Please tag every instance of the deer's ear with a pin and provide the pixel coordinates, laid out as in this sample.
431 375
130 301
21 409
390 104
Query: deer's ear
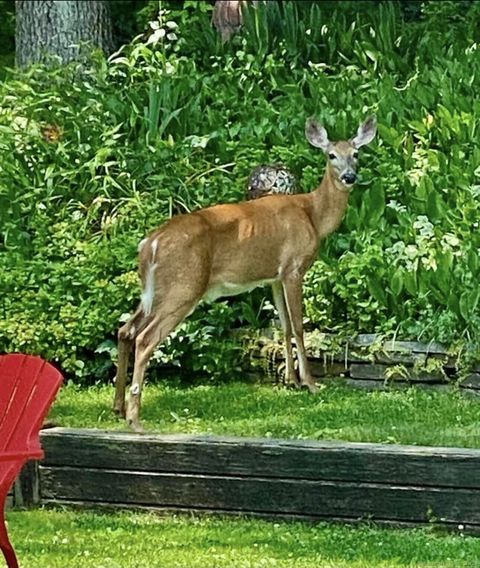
365 133
316 134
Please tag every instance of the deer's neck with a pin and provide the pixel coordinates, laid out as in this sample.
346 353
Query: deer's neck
328 204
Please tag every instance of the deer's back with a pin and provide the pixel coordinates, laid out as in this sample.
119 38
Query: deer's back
235 243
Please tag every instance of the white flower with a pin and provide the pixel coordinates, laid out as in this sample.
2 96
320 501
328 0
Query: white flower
156 36
411 251
396 206
451 240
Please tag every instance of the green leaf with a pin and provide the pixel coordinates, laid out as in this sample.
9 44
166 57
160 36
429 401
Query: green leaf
424 188
410 282
468 303
472 261
464 306
443 273
376 203
376 290
390 135
396 284
352 220
435 206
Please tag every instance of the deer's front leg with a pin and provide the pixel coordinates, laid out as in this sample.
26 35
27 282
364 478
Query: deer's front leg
292 288
279 300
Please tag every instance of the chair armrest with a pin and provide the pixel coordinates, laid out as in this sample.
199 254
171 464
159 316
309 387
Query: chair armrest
25 455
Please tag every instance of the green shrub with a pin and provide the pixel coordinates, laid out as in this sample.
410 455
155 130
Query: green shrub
91 160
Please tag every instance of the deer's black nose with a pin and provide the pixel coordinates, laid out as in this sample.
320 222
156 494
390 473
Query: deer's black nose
349 178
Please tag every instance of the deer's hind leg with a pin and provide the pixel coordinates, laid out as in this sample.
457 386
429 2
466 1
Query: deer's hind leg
164 321
126 340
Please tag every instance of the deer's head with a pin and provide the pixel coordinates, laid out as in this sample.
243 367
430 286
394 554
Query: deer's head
342 156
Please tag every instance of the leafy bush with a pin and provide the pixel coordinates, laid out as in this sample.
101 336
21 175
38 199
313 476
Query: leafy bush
91 160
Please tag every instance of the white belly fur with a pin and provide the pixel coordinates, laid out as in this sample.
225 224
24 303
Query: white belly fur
232 289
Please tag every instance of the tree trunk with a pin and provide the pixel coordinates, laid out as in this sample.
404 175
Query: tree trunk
227 17
46 28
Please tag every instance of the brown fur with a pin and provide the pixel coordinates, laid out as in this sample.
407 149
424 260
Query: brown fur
275 238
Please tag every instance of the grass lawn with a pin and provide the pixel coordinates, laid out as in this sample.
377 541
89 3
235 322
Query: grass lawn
81 539
410 416
71 539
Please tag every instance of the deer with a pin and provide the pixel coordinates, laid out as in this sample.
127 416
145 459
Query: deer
227 249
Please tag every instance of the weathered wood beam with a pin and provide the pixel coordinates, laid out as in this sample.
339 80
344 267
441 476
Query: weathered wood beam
294 479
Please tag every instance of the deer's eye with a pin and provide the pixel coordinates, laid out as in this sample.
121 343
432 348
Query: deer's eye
332 156
355 155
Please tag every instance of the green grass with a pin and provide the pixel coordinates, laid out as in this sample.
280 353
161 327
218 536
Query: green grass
68 539
410 416
64 538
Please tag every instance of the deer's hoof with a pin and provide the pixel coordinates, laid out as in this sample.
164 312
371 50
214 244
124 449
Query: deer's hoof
292 381
133 420
135 425
312 387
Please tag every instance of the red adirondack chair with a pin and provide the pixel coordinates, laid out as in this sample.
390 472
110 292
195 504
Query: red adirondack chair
28 386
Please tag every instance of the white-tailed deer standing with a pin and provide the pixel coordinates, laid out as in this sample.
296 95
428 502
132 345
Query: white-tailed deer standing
228 249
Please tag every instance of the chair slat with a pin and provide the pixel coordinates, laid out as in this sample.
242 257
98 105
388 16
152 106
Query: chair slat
17 422
28 386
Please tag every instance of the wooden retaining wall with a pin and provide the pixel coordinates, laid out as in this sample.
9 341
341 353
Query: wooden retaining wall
369 362
26 489
308 480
